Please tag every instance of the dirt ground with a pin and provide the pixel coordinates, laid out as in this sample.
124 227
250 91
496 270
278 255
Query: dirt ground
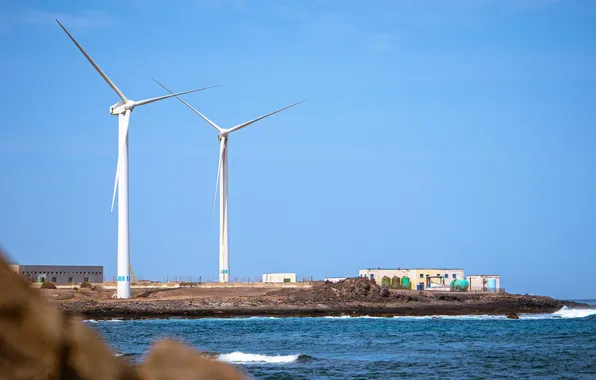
99 293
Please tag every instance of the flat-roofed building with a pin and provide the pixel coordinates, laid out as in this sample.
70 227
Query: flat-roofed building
279 277
484 282
419 278
377 274
60 274
427 279
334 279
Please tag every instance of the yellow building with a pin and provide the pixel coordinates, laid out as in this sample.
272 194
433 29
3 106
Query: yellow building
434 279
420 279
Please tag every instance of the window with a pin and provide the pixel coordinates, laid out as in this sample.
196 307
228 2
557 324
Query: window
53 279
446 275
454 276
86 279
70 280
421 275
372 276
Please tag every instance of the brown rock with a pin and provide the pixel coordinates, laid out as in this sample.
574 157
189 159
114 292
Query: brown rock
172 360
38 342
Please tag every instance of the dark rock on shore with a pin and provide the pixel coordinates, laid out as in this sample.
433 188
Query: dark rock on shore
512 316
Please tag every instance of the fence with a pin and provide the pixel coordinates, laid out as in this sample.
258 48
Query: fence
484 289
204 279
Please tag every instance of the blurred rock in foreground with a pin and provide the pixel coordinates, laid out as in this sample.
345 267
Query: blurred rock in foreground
37 341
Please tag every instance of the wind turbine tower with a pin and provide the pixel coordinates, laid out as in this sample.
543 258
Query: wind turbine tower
222 181
122 109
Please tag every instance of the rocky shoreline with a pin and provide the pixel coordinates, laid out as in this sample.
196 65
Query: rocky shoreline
353 297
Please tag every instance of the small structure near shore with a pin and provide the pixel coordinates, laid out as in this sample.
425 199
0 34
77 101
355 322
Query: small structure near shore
334 280
279 277
484 283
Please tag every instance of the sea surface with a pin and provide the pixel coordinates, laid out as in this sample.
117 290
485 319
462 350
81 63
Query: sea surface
549 346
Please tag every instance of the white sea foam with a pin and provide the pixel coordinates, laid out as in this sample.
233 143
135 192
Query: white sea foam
101 321
241 357
351 317
566 312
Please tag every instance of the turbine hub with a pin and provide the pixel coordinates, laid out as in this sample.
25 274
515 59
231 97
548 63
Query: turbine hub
121 107
130 105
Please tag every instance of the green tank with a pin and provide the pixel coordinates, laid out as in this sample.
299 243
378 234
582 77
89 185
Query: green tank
460 285
405 282
395 282
386 281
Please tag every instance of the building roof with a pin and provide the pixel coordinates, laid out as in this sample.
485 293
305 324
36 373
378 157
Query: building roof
491 275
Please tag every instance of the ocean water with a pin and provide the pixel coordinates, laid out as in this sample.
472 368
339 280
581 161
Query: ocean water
558 345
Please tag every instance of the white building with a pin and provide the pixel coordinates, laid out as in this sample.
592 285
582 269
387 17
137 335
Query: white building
335 279
279 277
378 274
484 282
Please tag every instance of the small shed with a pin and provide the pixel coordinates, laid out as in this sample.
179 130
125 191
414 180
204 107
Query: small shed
279 277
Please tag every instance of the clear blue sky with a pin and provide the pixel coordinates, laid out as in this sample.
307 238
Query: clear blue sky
443 133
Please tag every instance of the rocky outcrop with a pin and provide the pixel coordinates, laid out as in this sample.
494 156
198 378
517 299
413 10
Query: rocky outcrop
37 341
350 297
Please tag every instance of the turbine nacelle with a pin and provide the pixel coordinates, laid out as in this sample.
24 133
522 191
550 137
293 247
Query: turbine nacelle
121 107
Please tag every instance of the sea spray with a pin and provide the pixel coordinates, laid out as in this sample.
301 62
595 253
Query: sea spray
241 357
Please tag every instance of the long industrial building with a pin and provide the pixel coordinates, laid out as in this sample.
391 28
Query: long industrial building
416 278
60 274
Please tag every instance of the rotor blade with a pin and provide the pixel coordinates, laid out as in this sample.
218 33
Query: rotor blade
222 149
115 183
122 119
147 101
191 107
103 75
240 126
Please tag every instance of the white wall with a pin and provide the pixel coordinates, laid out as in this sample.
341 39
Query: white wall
279 277
378 274
480 280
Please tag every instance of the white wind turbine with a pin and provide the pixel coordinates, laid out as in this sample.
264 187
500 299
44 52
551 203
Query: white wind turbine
222 174
123 109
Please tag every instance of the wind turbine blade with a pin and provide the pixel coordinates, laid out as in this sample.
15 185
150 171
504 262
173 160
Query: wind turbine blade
147 101
115 183
191 107
246 124
222 148
103 75
122 119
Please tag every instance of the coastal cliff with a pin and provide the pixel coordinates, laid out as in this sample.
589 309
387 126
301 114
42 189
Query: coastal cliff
353 297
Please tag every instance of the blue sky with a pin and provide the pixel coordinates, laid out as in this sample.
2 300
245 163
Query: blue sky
437 133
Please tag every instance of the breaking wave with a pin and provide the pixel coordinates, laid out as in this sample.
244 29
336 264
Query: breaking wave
241 357
351 317
566 312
